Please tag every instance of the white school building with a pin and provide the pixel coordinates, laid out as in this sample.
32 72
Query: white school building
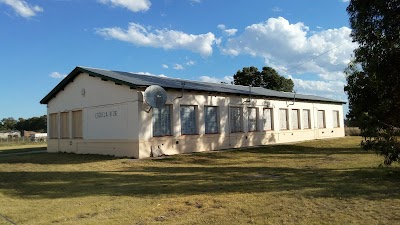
96 111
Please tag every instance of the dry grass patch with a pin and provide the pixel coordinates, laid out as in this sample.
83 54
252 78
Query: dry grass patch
317 182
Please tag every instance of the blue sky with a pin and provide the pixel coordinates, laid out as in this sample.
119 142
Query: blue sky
207 40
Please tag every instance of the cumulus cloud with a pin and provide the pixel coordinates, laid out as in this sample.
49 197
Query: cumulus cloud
286 46
165 66
161 38
22 8
132 5
226 79
228 32
57 75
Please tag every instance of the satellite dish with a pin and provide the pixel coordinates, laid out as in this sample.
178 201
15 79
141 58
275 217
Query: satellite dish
155 96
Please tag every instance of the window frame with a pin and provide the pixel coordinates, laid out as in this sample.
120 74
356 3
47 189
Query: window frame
298 119
335 112
287 119
53 126
248 119
216 119
170 108
308 119
323 118
195 111
64 134
240 119
73 122
271 119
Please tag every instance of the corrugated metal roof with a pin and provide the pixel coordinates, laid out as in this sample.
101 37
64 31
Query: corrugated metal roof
140 80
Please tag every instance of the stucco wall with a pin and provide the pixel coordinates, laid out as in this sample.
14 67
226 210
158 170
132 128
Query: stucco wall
117 122
110 117
177 143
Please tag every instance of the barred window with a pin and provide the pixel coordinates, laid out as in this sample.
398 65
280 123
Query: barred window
64 124
236 119
283 119
321 118
53 126
252 118
336 122
267 119
162 121
211 119
77 124
188 119
306 119
295 119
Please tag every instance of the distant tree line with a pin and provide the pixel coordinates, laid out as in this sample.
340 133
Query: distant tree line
38 124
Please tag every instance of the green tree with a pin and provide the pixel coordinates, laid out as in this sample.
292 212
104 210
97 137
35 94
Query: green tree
38 124
373 80
267 78
8 123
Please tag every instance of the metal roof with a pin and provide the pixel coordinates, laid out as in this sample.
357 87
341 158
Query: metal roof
140 80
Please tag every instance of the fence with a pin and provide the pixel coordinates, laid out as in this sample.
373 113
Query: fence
20 141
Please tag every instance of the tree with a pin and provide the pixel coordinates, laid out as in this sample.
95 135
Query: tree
373 80
8 123
267 78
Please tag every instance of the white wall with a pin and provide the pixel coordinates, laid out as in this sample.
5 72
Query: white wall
110 116
177 143
117 122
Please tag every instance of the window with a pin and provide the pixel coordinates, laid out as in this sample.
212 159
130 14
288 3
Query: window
77 124
252 119
321 118
211 119
162 121
336 122
306 119
64 125
283 119
267 119
295 119
53 126
236 118
188 119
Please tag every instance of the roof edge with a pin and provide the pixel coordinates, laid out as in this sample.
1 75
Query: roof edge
71 76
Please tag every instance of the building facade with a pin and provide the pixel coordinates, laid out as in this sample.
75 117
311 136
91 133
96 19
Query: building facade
95 111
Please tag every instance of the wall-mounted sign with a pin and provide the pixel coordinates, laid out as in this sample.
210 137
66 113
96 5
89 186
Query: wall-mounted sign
105 114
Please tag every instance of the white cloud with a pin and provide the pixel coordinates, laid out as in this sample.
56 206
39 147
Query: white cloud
226 79
22 8
165 66
164 38
191 63
132 5
57 75
150 74
178 67
286 46
228 32
195 1
276 9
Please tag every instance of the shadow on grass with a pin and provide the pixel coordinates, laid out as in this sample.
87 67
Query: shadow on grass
54 158
205 173
18 150
377 183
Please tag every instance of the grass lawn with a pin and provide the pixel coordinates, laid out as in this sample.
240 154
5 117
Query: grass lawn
22 148
316 182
